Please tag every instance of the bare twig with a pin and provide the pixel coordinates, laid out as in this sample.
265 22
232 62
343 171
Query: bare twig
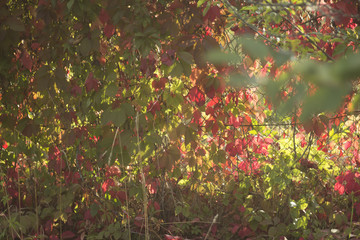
126 191
252 27
309 39
213 221
143 182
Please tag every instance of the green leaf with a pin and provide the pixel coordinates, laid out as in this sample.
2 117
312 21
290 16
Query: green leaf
254 48
183 182
60 78
241 80
111 90
43 78
281 57
15 24
111 76
28 221
348 68
94 208
220 157
219 57
300 222
70 4
324 100
206 9
85 47
339 49
128 108
174 153
200 2
117 117
186 68
177 70
187 57
302 204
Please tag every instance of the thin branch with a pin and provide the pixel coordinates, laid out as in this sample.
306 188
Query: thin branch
252 27
309 39
213 221
143 182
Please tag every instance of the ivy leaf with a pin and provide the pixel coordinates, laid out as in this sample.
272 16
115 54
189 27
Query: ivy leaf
85 47
111 90
94 208
212 14
68 235
186 57
129 109
43 78
117 117
109 30
26 60
200 2
197 96
91 83
60 78
176 70
104 16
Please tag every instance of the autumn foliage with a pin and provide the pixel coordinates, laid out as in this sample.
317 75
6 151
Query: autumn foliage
176 119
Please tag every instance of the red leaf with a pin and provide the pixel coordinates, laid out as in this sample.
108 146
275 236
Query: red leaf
75 90
112 171
156 206
231 149
121 195
340 188
91 83
109 30
54 237
139 221
235 228
48 226
71 177
357 208
168 57
56 162
212 13
153 107
249 168
87 215
169 237
308 164
104 16
159 84
107 184
197 96
347 145
197 117
26 60
215 128
35 46
209 110
269 140
344 8
68 234
318 127
245 232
